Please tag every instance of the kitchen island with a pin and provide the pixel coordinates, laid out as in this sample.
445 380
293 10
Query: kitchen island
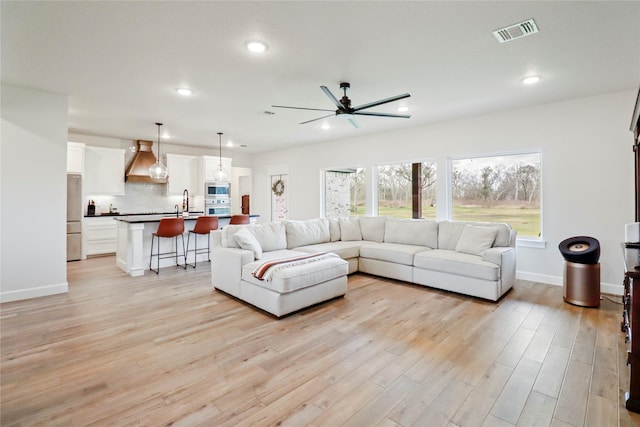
134 241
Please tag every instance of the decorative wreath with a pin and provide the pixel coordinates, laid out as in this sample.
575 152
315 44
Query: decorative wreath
278 187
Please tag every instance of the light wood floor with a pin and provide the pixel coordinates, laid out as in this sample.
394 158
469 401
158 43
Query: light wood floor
167 350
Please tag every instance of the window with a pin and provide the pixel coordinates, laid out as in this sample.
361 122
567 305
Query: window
344 192
499 188
396 190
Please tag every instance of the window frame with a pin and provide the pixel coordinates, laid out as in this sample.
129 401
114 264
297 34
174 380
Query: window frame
526 241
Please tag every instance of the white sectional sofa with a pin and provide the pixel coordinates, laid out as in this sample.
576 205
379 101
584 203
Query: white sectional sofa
476 259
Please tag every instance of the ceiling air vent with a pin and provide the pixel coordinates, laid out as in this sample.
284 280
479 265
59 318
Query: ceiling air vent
516 31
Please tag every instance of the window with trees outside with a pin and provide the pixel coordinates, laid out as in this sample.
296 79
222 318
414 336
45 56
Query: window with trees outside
344 192
499 188
407 190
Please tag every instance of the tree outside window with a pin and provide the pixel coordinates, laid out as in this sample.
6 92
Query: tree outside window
499 188
396 189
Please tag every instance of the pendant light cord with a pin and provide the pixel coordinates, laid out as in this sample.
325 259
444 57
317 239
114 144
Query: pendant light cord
159 158
220 149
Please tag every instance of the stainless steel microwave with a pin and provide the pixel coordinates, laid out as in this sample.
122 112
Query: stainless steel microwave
216 190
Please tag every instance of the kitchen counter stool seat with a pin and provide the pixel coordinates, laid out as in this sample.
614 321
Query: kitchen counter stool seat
204 225
239 219
168 228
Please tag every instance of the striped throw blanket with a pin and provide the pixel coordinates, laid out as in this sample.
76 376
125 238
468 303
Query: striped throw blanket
266 270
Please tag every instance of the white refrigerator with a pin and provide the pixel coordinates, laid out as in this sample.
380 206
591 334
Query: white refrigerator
74 217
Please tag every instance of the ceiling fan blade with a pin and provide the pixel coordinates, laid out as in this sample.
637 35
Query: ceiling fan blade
354 122
301 108
319 118
366 113
382 101
333 98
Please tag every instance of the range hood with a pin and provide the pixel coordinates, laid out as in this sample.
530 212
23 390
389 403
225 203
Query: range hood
138 170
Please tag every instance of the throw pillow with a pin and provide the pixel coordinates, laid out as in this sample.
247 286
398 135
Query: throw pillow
475 240
248 241
350 229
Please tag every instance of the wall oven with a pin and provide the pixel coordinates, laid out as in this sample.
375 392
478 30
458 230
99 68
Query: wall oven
218 206
216 190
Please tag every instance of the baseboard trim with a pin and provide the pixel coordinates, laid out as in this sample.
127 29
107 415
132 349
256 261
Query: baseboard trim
606 288
40 291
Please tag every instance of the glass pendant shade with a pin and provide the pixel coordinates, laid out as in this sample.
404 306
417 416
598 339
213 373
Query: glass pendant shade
158 170
220 175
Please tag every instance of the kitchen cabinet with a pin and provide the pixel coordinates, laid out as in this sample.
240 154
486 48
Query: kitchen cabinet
75 157
99 235
103 171
211 165
184 173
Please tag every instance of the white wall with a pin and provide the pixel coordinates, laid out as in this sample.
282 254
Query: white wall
587 171
33 156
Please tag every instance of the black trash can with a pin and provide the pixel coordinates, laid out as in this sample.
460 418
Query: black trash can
581 270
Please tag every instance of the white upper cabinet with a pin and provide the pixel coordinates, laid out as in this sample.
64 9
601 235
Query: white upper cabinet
211 165
103 170
75 157
184 173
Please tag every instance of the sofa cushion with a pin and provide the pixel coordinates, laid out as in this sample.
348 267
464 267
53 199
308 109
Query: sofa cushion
349 229
334 229
411 232
307 232
248 241
344 250
391 252
372 228
453 262
300 276
475 240
271 236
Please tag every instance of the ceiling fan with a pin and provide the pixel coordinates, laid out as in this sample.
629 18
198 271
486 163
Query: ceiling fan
346 111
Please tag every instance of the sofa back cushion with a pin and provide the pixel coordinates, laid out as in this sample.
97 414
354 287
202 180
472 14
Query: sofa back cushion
411 232
307 232
372 228
334 229
449 233
350 229
271 236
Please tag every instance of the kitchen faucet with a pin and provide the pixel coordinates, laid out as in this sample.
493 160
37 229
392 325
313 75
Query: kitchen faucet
185 200
177 211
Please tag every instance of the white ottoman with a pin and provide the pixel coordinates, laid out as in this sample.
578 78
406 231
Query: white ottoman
291 288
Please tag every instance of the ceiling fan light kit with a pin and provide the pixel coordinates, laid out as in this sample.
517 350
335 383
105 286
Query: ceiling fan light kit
344 109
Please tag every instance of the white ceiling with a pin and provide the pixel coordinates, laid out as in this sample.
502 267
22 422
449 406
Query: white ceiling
120 62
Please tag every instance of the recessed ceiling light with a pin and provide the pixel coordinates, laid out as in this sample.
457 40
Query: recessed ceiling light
325 126
230 143
531 80
183 91
403 108
166 135
256 47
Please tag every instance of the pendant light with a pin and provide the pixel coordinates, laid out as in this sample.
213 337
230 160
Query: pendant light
158 170
221 175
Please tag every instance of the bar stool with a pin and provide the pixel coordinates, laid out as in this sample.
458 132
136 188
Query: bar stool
239 219
204 225
168 227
